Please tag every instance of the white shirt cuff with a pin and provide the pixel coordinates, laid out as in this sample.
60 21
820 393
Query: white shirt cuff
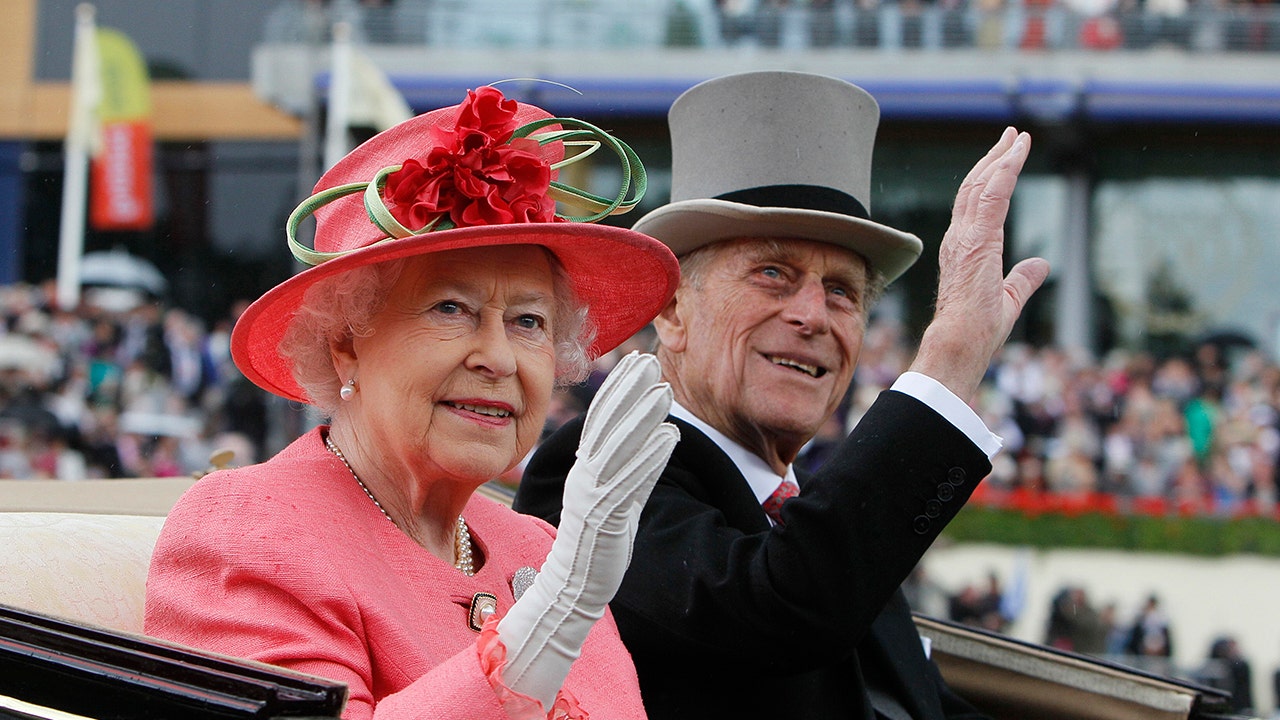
956 411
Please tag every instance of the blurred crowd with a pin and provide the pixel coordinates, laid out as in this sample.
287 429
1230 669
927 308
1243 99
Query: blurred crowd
1194 433
121 387
1191 25
142 389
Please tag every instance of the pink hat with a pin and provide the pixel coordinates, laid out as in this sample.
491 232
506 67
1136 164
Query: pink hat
478 174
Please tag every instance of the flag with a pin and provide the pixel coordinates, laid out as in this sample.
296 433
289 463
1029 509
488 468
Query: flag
375 102
83 131
360 94
120 177
83 137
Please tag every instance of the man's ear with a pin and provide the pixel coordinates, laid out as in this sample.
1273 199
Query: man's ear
671 326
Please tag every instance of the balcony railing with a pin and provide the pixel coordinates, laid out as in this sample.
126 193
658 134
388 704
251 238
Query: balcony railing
1206 26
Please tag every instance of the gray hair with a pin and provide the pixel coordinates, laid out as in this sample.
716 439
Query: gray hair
344 305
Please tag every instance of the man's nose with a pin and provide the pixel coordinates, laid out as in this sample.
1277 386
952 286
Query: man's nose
806 308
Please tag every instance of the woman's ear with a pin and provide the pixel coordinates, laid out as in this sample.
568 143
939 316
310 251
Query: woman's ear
343 353
671 326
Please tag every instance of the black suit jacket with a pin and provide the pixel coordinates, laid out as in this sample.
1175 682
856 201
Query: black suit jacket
728 617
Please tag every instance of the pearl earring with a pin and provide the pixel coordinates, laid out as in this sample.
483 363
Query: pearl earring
348 390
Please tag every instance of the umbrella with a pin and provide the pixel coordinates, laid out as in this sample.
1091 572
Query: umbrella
158 424
1225 337
19 352
120 269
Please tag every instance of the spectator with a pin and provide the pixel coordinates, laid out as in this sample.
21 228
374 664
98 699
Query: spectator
966 607
1203 415
769 22
1228 669
924 594
1075 624
1101 32
1150 642
1117 634
979 607
734 20
866 23
822 23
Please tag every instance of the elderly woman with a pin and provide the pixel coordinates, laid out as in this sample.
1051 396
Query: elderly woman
446 297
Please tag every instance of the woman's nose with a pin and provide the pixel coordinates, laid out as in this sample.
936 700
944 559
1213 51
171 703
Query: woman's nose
492 353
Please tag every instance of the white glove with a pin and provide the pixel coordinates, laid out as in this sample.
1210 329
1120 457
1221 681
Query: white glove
624 447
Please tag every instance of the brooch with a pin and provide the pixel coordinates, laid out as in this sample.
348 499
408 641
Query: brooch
483 605
522 580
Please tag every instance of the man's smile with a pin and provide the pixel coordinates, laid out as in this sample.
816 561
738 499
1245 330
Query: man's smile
810 370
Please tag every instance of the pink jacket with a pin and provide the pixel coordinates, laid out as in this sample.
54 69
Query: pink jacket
289 563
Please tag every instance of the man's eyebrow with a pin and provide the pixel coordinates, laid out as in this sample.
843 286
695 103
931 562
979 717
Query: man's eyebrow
770 253
784 255
851 276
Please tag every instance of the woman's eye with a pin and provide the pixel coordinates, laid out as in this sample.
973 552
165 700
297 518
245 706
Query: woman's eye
530 322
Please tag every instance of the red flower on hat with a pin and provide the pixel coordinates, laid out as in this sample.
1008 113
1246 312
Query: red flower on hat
475 172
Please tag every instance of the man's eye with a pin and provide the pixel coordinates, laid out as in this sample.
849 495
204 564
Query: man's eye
772 273
837 290
448 307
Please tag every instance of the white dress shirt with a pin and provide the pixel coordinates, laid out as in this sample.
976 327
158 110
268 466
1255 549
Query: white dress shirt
763 480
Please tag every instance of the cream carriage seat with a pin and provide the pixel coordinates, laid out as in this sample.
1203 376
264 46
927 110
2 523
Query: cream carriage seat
80 550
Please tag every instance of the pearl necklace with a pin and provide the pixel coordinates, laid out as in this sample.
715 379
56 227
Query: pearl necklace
462 558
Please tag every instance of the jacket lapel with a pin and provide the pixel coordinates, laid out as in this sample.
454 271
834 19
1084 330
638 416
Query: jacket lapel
716 480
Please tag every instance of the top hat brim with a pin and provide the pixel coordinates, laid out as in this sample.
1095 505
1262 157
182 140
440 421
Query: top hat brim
687 225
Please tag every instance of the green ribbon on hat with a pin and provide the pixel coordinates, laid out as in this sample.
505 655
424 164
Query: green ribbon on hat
573 133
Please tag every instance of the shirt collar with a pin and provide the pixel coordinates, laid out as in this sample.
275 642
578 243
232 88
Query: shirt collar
760 477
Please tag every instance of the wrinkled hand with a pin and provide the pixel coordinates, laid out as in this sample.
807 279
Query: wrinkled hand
977 304
624 446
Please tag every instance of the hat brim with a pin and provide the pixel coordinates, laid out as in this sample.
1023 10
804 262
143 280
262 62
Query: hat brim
687 225
624 279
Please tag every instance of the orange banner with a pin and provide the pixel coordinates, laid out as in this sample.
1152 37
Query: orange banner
120 178
120 194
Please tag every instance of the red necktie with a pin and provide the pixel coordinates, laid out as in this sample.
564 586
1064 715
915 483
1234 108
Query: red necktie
773 504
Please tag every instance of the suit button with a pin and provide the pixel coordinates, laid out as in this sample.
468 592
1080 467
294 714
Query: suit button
955 476
933 508
946 491
921 524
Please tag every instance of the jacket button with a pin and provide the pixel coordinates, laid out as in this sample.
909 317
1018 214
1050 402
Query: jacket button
921 524
933 508
955 476
946 491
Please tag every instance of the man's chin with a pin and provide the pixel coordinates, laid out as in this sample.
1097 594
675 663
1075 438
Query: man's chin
790 425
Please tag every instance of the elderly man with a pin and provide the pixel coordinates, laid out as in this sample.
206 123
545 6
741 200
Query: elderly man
739 602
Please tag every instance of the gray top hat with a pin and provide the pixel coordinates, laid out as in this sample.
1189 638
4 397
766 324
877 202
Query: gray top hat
776 154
